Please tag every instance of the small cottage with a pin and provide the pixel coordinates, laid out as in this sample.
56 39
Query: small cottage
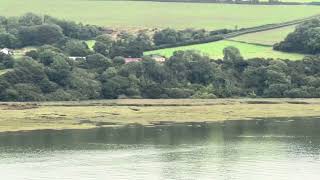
77 57
129 60
6 51
158 58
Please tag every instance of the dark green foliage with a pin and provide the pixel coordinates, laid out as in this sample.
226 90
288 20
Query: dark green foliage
305 39
125 45
166 36
177 93
40 34
118 61
102 48
97 62
172 36
187 74
85 83
30 19
32 29
8 40
59 70
6 61
75 30
26 92
33 54
77 48
115 86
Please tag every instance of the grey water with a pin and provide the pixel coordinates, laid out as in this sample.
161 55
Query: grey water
257 149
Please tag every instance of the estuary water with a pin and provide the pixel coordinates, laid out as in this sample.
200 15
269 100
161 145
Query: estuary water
257 149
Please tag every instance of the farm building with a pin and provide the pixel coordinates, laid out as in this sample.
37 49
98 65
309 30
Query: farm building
76 57
158 58
6 51
129 60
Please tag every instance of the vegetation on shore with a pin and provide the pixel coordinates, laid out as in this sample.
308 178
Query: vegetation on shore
79 115
126 14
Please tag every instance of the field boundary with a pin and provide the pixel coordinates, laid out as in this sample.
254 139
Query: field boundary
268 27
240 32
279 3
244 42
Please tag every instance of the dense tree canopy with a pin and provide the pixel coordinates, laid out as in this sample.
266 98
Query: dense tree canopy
305 39
63 67
31 29
48 74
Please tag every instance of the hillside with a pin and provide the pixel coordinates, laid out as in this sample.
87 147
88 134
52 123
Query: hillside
131 14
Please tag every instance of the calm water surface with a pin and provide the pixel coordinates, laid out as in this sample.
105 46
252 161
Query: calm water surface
265 149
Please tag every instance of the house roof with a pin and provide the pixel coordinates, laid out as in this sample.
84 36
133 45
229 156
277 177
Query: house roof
6 51
129 60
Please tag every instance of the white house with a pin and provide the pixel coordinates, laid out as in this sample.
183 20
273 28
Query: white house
158 58
77 57
6 51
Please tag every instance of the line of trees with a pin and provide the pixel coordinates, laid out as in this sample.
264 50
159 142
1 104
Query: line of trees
49 75
34 30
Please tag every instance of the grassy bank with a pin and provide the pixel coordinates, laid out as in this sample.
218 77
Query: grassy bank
130 14
79 115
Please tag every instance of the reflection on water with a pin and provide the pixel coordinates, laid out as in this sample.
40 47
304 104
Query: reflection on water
265 149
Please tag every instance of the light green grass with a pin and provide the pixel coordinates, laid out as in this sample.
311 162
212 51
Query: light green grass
269 37
215 50
67 115
90 43
125 14
18 53
4 71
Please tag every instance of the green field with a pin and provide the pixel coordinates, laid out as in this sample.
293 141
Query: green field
90 43
269 37
131 14
2 72
215 50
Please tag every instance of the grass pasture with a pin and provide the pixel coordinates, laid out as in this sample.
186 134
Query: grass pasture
215 50
142 14
269 37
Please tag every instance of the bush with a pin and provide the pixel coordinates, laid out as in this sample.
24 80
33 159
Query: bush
40 35
178 93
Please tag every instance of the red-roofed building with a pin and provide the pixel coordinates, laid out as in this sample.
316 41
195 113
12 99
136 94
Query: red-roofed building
129 60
